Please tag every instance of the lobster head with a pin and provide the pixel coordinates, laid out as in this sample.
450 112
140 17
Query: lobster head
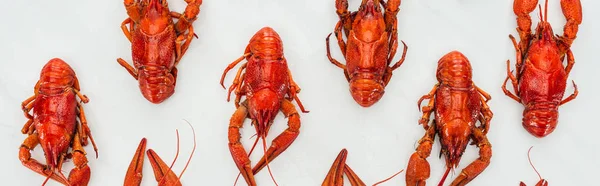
155 16
263 106
454 136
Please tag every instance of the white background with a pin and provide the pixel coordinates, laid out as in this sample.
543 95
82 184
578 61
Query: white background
380 139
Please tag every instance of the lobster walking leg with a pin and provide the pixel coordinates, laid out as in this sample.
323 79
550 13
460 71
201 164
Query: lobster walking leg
427 110
181 48
240 157
237 80
345 16
230 66
572 96
128 67
486 113
126 30
418 169
134 172
189 16
84 130
333 60
514 80
285 139
476 167
25 156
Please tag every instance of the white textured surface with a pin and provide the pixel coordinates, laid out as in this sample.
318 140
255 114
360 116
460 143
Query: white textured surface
380 139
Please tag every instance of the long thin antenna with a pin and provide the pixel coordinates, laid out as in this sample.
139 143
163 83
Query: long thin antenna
546 12
529 158
193 150
387 179
267 160
176 154
445 176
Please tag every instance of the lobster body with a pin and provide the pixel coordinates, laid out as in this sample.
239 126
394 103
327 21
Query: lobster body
371 45
269 88
458 104
54 124
541 78
157 44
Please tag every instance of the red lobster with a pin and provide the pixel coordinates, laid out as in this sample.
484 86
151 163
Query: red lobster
163 173
55 127
372 43
458 104
157 44
268 87
540 80
335 176
542 181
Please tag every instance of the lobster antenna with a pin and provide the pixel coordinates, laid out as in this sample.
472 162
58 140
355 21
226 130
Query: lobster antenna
267 160
541 16
47 178
546 12
176 154
251 150
388 179
193 149
445 176
529 158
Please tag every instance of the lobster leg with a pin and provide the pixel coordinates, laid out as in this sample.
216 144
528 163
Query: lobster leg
427 110
80 174
134 172
572 96
162 172
285 139
339 37
513 79
189 16
25 156
522 9
294 90
126 30
230 66
486 113
333 60
572 11
570 62
345 16
240 157
128 67
335 176
418 169
84 130
236 81
476 167
27 105
133 9
181 48
391 11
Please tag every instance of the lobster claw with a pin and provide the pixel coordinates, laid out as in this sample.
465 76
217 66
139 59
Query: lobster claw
134 172
162 172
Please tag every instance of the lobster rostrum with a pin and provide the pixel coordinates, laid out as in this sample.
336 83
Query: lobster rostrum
55 125
540 79
162 172
268 86
458 104
335 176
157 44
372 40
